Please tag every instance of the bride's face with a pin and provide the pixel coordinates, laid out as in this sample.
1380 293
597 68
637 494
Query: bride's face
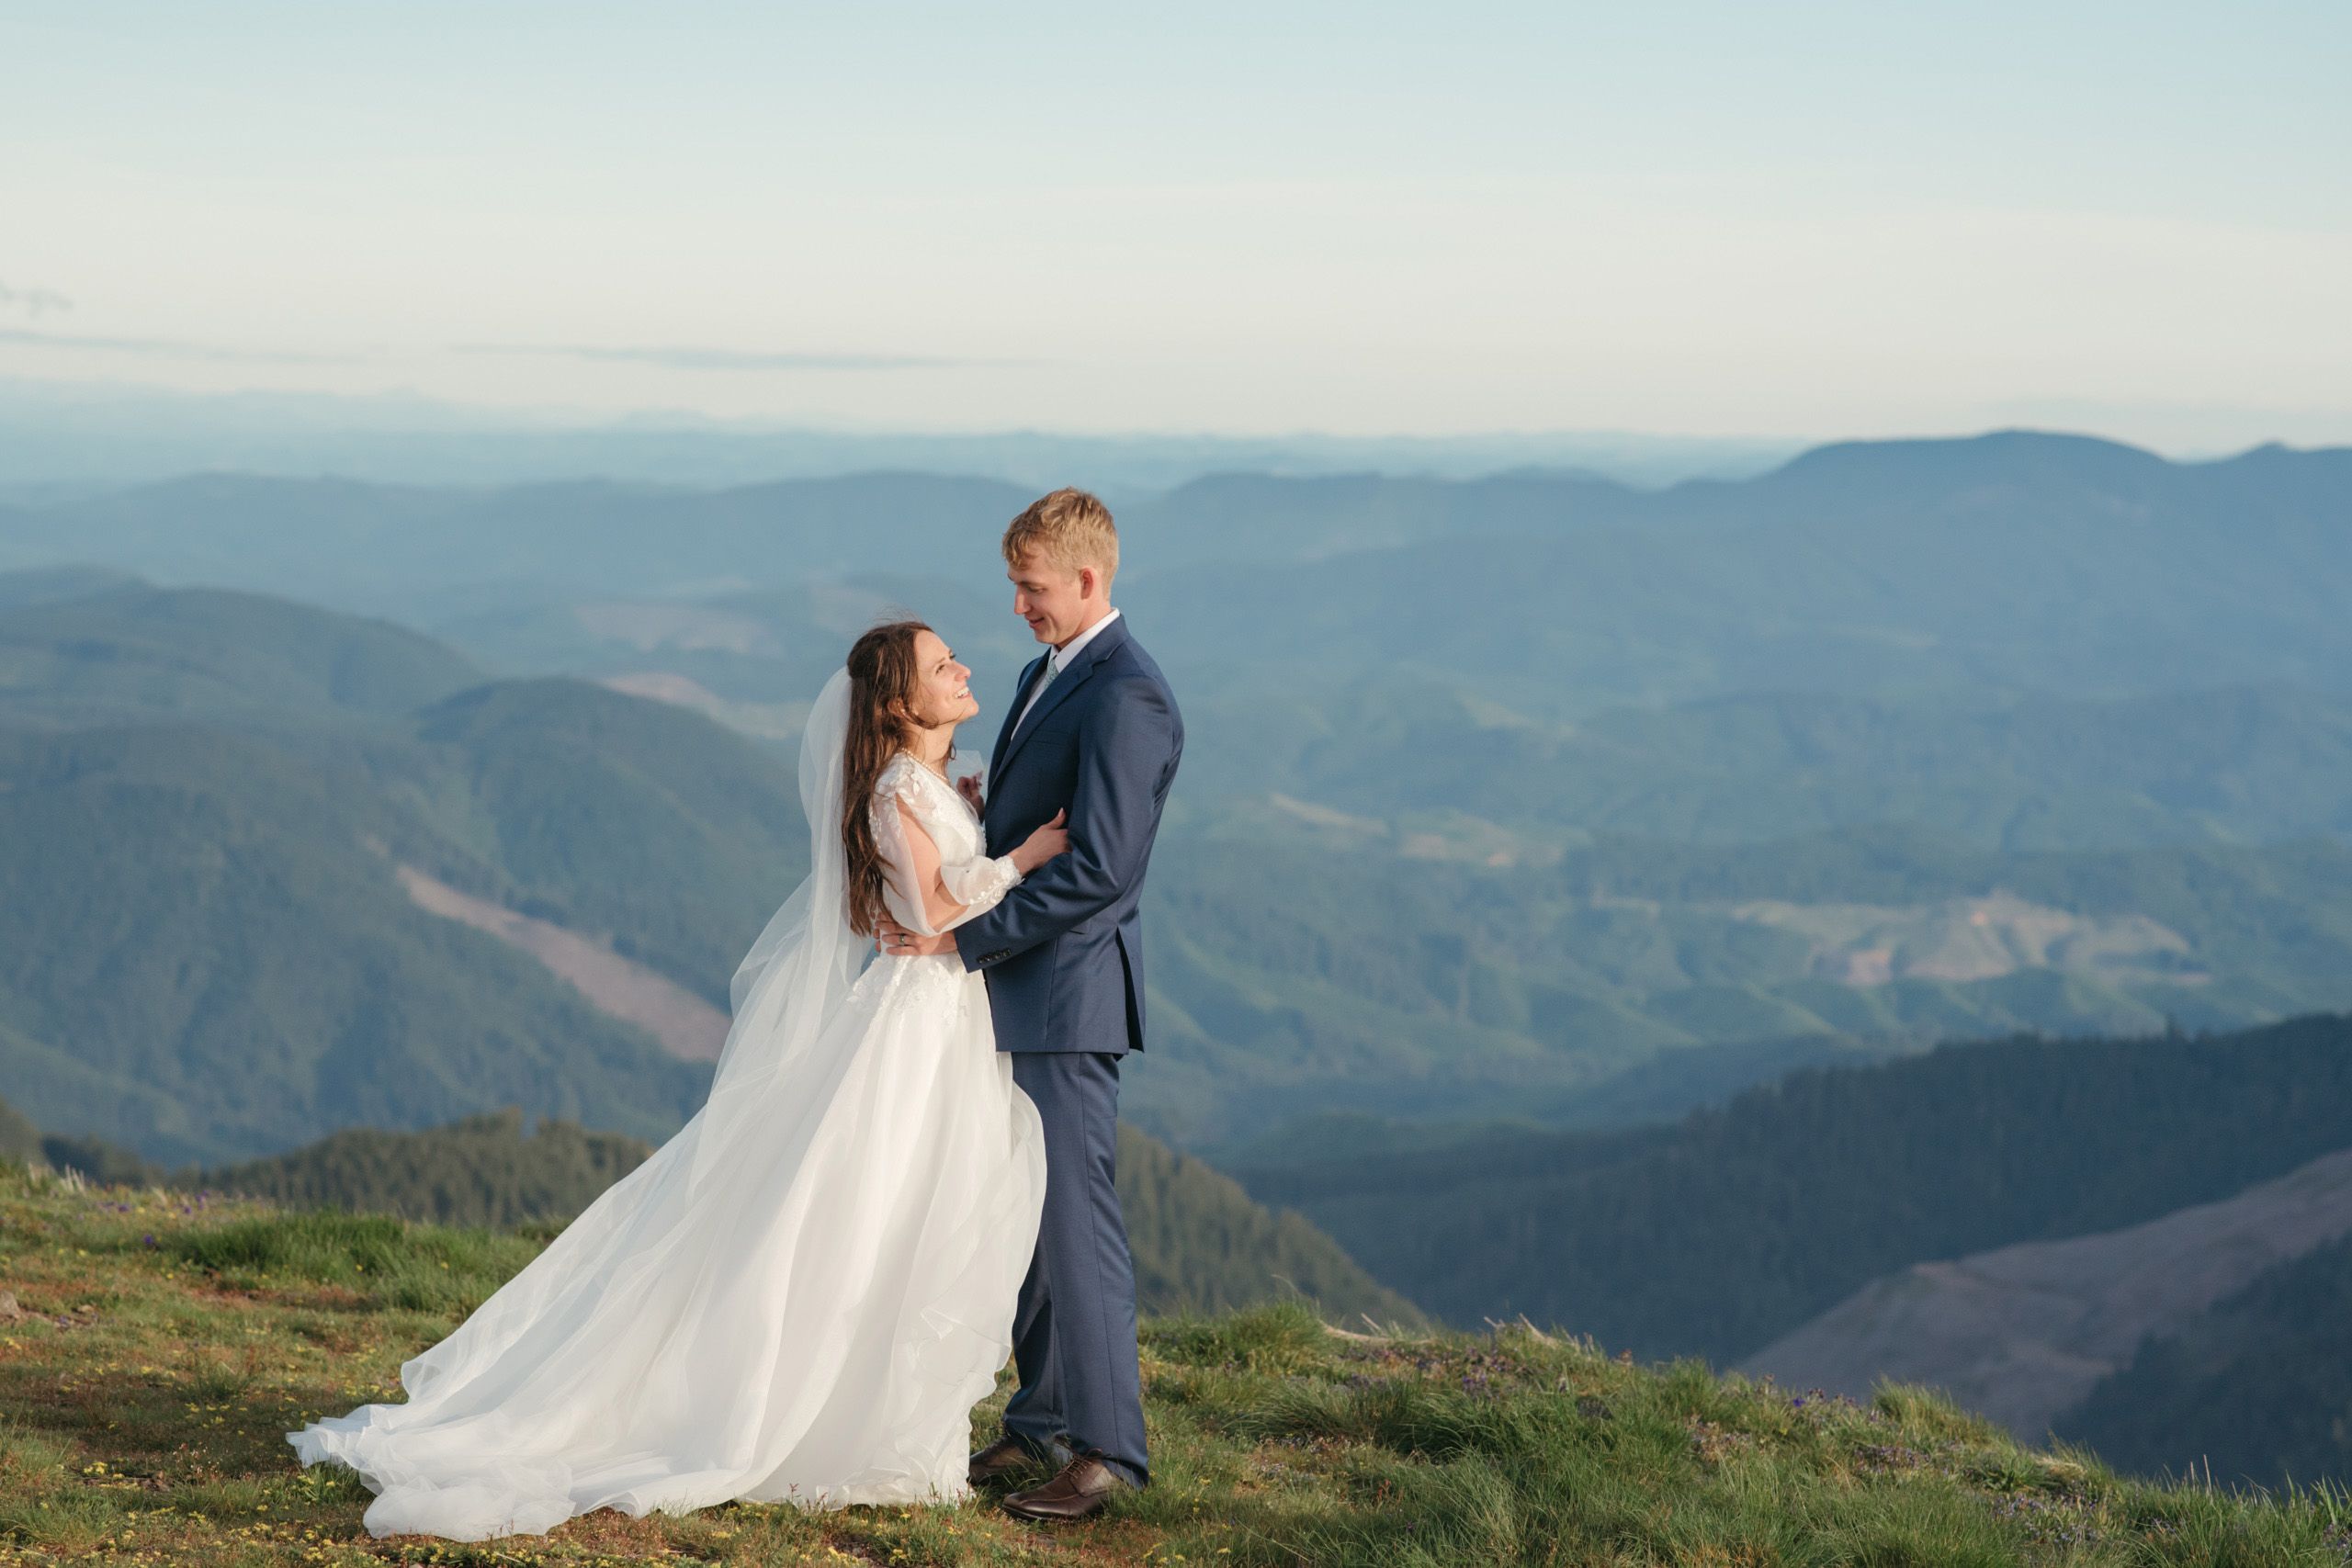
942 686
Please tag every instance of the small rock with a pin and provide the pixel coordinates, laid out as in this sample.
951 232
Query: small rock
9 1311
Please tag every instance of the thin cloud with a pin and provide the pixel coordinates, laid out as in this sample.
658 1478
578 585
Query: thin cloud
694 358
165 348
35 302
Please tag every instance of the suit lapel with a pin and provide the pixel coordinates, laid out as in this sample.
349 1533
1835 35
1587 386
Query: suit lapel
1036 668
1105 642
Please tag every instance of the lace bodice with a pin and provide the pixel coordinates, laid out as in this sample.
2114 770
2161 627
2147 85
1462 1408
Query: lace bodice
966 871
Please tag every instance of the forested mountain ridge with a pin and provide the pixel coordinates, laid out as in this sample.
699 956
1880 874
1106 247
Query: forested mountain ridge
1956 805
2017 562
209 803
2017 559
480 1171
1202 1244
206 956
1403 756
365 546
1716 1236
1879 631
81 647
611 814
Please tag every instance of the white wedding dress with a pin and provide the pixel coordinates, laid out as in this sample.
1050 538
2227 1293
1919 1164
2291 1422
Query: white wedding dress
801 1295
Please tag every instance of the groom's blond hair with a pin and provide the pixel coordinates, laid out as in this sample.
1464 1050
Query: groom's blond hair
1070 528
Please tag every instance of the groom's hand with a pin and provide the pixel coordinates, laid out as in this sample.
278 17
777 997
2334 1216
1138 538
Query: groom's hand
894 939
969 786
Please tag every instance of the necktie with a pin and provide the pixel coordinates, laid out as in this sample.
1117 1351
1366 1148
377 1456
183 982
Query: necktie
1046 679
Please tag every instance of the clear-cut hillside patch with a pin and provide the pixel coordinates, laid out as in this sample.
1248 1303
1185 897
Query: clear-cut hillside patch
2023 1333
688 1027
1965 939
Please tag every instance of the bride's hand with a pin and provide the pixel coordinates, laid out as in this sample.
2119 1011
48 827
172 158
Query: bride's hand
1044 844
894 939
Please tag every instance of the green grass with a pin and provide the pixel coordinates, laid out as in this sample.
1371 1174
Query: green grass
166 1342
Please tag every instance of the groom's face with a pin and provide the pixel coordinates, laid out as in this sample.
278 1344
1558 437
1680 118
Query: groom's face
1058 604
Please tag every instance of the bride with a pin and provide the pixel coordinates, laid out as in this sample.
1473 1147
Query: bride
801 1295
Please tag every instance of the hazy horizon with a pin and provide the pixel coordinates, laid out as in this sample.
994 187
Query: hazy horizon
76 438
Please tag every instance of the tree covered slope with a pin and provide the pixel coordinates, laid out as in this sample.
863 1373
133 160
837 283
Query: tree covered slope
1716 1236
2259 1388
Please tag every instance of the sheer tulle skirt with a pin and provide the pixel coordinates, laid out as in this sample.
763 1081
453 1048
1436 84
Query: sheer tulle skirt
813 1323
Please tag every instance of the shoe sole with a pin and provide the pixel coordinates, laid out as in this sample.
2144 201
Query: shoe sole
1093 1513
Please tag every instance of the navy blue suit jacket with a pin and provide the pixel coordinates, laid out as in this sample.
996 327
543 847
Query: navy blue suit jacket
1064 950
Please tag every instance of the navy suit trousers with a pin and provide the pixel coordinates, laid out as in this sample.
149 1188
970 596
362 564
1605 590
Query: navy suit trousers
1074 1329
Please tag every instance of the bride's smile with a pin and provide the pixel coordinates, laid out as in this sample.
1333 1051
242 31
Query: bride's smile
943 696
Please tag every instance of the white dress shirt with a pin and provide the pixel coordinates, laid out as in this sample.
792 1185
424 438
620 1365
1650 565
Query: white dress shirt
1059 660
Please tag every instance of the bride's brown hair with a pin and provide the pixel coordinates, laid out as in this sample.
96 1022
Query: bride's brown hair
882 680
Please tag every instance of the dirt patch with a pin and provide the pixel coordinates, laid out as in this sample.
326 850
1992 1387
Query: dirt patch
688 1027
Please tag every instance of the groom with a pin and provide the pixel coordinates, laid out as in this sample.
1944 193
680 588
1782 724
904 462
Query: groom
1095 729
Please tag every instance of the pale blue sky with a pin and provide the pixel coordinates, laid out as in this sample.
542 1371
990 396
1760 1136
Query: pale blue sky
1802 219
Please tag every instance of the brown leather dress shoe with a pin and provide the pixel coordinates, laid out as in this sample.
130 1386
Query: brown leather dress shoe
1082 1489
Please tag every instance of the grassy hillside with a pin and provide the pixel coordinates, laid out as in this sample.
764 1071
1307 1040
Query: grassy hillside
1717 1235
19 1139
1200 1242
161 1345
2260 1387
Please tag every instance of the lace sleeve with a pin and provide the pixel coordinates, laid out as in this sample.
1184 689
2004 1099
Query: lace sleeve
901 893
976 882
